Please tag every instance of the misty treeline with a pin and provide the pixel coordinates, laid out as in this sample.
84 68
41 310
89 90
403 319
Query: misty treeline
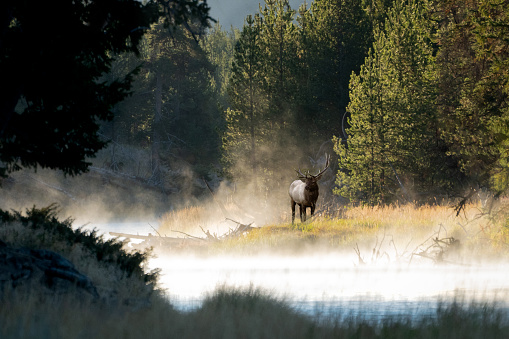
410 94
422 84
251 105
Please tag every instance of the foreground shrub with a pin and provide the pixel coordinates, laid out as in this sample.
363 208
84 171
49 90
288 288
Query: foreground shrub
117 274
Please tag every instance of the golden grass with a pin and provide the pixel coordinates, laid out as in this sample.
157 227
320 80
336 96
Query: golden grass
409 224
185 220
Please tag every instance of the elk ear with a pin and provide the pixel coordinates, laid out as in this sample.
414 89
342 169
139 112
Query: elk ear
318 177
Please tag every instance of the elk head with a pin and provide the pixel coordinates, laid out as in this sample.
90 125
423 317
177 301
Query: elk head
304 191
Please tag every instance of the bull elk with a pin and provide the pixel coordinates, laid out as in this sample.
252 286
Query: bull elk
304 191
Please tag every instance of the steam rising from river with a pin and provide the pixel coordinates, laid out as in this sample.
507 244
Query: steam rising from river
332 283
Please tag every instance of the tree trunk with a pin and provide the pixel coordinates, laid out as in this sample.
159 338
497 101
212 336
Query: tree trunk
156 160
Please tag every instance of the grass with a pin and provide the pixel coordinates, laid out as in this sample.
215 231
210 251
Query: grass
405 227
37 312
228 313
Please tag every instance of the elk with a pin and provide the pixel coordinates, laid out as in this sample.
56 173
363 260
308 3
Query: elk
304 191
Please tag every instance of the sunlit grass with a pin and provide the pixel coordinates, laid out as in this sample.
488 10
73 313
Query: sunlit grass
184 220
407 225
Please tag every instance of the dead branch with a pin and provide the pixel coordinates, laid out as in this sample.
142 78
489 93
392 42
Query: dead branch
241 228
437 248
155 230
461 205
358 252
210 236
188 235
61 190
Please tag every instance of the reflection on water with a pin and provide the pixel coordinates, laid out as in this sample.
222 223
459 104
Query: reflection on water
326 284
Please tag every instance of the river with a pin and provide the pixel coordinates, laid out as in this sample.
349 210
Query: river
328 284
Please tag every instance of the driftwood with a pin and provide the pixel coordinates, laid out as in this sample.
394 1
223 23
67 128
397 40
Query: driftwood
56 188
437 249
144 237
164 242
434 248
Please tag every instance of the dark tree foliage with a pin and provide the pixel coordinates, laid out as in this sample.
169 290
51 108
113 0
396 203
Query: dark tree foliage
52 55
248 103
473 83
289 85
172 109
335 37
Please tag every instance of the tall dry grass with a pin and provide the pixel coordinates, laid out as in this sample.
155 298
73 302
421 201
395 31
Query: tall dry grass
406 227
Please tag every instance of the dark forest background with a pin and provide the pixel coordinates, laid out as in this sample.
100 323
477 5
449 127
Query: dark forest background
410 97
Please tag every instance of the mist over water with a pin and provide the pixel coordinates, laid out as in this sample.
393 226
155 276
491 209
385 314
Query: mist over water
327 284
332 283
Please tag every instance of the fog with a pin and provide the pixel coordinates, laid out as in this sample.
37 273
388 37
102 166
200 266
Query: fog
331 283
89 198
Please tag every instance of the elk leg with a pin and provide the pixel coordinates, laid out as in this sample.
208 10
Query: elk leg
312 209
293 210
304 212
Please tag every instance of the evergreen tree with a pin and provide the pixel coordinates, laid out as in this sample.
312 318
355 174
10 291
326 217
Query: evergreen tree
220 48
173 108
246 117
279 52
261 133
393 146
334 39
52 56
473 100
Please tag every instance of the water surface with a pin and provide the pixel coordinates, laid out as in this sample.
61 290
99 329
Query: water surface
328 283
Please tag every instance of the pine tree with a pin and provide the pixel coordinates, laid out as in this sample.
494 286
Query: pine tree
261 134
245 117
220 48
473 102
393 145
334 39
173 109
279 51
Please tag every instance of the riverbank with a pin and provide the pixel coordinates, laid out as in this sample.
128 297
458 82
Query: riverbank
396 233
131 305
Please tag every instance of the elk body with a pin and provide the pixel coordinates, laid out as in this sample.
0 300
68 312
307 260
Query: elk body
304 192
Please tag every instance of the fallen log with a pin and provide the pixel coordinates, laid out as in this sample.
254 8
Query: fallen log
152 240
169 242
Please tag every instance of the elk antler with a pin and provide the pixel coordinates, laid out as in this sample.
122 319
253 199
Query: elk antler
327 164
301 175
